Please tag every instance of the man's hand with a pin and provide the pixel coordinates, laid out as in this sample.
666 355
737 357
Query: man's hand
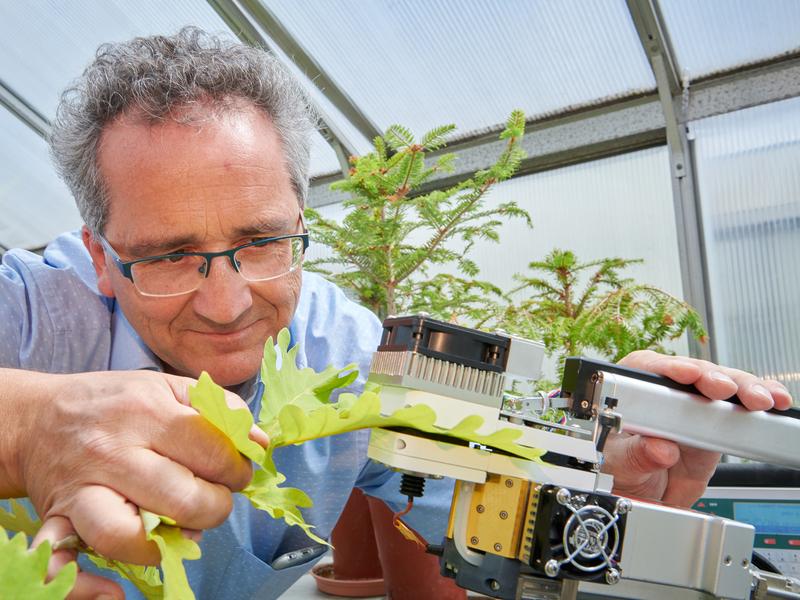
660 469
101 445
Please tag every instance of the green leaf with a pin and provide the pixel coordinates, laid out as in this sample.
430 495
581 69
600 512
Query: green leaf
286 384
174 548
146 579
23 571
209 400
19 519
280 502
298 426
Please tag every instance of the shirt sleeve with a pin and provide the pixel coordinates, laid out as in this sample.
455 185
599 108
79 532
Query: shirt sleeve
53 318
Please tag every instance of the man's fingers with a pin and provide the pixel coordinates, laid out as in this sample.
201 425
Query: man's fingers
180 388
111 525
648 454
175 492
91 587
783 399
87 586
639 464
678 369
196 444
713 381
53 530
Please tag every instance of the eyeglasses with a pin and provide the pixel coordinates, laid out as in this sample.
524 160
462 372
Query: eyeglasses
182 272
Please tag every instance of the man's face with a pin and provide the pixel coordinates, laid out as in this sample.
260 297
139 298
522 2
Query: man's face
209 185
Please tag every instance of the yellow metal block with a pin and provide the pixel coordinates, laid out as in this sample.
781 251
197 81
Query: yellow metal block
496 515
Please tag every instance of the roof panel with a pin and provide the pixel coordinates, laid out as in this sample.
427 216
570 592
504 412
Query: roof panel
710 37
425 64
35 205
47 43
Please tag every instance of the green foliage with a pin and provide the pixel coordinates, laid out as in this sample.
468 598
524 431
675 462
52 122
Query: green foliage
208 398
296 408
395 230
573 307
19 519
23 571
174 548
147 580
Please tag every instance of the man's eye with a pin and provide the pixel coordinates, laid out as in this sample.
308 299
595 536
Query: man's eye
175 258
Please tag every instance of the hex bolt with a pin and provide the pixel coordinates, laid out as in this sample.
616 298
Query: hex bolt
480 508
551 568
624 505
473 540
562 496
612 576
503 514
498 547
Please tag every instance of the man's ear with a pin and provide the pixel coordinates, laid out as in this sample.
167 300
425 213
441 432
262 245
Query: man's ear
101 267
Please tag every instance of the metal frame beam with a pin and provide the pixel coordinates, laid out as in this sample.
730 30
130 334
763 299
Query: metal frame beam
688 218
620 126
244 29
24 111
270 23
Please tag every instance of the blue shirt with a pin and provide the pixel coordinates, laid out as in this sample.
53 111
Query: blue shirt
55 320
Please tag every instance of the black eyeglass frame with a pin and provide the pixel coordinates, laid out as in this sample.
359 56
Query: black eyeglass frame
126 267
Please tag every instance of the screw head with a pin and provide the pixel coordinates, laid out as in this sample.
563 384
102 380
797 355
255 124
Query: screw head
612 576
480 508
562 496
498 547
494 585
551 568
509 483
624 505
473 540
503 514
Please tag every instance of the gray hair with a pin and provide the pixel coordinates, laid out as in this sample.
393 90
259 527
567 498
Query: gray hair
155 75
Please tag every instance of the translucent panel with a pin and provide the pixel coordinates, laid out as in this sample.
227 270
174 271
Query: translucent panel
708 37
46 43
615 207
749 187
423 64
35 205
323 158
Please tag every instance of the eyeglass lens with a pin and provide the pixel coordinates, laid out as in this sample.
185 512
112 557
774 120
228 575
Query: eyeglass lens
182 274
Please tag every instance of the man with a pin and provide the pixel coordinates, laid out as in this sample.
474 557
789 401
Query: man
188 159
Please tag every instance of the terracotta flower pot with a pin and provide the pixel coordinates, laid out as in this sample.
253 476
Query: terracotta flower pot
410 572
356 569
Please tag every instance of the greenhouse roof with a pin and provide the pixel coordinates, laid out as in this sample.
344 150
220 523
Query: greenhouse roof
585 73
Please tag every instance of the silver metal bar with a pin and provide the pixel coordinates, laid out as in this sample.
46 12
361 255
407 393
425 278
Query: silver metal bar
292 48
694 273
687 549
244 29
693 420
24 111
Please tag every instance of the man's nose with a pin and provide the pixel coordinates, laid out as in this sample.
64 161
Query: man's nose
224 295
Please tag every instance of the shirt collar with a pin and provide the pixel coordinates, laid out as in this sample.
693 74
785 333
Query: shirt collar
128 351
